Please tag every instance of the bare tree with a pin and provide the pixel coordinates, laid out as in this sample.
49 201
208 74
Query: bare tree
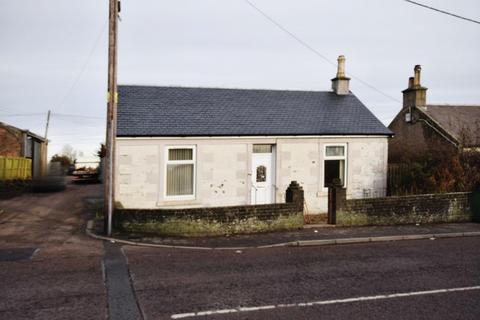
69 152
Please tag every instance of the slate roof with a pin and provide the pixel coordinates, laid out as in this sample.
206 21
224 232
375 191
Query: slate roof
462 122
181 111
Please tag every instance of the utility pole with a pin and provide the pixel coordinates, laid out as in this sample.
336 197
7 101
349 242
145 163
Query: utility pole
109 180
46 127
43 148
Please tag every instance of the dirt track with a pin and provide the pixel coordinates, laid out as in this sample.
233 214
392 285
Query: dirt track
63 280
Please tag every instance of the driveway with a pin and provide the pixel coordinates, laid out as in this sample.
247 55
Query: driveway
63 279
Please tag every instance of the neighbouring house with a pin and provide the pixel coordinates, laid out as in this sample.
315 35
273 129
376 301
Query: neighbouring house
179 147
420 128
15 142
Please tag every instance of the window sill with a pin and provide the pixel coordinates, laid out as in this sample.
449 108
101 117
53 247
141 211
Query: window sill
177 201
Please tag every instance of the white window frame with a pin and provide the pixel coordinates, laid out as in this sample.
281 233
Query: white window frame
193 161
344 157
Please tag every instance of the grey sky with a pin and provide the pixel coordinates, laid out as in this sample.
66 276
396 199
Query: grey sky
44 45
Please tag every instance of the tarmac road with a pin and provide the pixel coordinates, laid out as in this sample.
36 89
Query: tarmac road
178 283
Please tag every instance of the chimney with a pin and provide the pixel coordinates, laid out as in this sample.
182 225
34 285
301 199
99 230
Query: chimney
340 84
415 95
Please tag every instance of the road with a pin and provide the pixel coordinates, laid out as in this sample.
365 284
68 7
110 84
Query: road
173 282
64 279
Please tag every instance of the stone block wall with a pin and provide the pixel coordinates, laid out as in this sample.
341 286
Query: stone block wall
428 208
210 221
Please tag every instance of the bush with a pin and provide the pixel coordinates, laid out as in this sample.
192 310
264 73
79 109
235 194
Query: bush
440 172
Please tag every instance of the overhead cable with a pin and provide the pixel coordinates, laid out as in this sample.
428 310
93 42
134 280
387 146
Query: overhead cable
443 11
315 51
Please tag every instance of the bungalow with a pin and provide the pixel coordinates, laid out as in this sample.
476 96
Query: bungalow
422 128
181 147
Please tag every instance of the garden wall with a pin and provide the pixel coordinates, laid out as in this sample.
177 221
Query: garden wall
428 208
215 220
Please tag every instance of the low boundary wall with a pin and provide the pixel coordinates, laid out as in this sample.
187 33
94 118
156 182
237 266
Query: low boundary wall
215 220
427 208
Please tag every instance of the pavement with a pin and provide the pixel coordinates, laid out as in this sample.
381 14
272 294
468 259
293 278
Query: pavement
121 296
309 236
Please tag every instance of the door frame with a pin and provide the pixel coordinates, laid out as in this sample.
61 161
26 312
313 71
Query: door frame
273 173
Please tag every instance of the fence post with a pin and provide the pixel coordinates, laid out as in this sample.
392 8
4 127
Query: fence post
332 200
475 203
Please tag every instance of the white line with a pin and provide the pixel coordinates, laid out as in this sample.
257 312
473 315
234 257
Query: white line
317 303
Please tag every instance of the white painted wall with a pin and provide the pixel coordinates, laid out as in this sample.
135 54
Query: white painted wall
223 169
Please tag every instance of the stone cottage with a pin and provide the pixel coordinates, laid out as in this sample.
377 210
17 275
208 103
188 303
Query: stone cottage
420 127
181 147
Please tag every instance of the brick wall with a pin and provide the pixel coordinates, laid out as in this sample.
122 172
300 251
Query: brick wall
215 220
10 142
428 208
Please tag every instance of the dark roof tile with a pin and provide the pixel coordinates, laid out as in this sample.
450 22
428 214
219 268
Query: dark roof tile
180 111
460 121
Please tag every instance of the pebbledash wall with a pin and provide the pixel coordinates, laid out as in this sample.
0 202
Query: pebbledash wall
216 220
427 208
223 169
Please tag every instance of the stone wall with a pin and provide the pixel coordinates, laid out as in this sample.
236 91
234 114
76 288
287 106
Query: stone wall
215 220
414 138
428 208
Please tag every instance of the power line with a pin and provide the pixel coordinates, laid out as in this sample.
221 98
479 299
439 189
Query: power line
22 114
77 116
67 115
84 66
442 11
315 51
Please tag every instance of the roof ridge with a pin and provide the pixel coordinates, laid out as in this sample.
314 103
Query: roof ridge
222 88
451 105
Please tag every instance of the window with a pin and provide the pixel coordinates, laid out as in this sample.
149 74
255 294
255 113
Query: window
262 148
335 164
261 174
180 172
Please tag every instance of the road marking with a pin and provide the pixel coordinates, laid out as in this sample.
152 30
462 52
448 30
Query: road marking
318 303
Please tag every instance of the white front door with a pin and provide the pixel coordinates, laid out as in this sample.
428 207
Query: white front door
263 174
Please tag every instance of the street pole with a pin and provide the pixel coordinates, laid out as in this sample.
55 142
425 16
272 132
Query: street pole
43 148
109 178
46 127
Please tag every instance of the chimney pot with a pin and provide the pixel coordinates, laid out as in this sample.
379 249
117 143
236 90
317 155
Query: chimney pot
410 82
340 84
341 66
418 70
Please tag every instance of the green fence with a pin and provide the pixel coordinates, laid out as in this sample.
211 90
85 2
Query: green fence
15 168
